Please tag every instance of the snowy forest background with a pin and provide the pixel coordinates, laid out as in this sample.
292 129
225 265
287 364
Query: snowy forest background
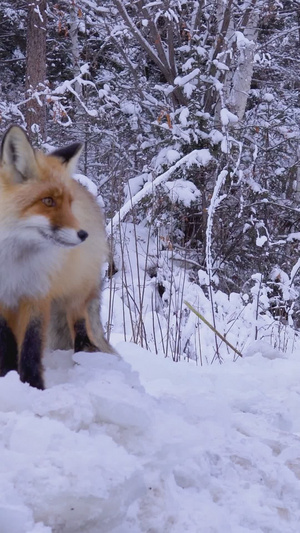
189 113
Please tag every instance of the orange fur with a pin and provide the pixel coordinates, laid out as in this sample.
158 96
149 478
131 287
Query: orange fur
70 276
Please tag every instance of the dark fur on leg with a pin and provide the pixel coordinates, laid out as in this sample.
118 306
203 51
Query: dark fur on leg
30 365
59 337
82 342
8 349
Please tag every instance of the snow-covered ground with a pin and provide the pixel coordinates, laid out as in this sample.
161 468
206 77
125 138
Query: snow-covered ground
141 444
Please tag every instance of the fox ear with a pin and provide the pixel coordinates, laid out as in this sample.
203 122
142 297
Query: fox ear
18 154
69 155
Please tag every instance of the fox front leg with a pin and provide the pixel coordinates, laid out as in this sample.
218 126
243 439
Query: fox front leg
34 322
8 348
80 330
30 363
82 340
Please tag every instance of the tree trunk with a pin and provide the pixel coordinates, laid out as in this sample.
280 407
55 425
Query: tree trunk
242 77
297 184
35 114
224 15
75 45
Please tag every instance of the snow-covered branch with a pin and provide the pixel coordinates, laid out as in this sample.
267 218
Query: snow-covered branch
215 201
197 157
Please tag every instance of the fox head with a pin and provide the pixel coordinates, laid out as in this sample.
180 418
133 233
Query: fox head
37 191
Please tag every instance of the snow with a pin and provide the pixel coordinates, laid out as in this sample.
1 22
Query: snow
283 282
138 443
68 86
188 64
196 157
216 136
18 54
183 191
184 116
220 65
185 81
172 155
37 10
201 51
227 117
242 41
268 97
130 108
261 240
87 183
135 184
182 80
293 237
188 89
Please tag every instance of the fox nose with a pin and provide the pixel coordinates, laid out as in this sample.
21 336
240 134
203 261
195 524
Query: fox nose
82 234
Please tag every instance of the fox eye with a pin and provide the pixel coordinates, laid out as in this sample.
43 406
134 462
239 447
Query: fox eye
48 201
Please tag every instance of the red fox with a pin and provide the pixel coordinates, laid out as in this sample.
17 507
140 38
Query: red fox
52 248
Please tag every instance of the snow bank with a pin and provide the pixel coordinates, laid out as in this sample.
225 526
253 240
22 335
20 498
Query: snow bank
61 463
139 444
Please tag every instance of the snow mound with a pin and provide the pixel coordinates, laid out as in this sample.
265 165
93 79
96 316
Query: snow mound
63 458
264 349
139 444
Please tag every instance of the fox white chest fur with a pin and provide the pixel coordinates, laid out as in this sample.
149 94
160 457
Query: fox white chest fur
26 267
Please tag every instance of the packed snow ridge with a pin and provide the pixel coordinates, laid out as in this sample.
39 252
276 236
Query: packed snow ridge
137 444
